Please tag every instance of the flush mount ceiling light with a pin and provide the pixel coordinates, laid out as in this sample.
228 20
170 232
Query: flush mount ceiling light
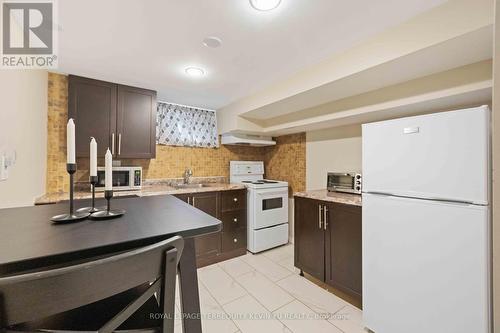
212 42
194 71
265 5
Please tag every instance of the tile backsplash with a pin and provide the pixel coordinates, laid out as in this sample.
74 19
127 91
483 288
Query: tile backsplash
285 161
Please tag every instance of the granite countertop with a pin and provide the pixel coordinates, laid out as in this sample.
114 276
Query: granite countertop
324 195
149 189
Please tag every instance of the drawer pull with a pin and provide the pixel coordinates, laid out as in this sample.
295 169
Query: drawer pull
235 240
235 199
235 220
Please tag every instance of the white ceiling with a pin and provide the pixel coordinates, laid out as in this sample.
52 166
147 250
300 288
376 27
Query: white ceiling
149 43
463 50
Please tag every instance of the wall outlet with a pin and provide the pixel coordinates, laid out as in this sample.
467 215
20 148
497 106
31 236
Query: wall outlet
6 161
4 172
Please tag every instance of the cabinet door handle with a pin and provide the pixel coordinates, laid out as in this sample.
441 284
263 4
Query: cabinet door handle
235 240
193 200
112 143
119 144
235 199
319 216
189 200
235 220
325 212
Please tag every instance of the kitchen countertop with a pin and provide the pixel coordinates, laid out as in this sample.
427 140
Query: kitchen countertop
147 190
324 195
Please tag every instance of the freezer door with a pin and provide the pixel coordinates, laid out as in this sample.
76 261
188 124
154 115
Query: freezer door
425 266
441 156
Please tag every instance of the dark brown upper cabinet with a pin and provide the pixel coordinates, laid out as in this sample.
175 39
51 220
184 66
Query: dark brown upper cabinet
92 105
136 123
120 117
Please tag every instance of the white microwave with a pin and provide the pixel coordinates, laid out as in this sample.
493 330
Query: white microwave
124 178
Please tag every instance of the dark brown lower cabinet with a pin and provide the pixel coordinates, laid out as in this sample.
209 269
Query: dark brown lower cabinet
343 248
309 238
231 241
328 243
207 246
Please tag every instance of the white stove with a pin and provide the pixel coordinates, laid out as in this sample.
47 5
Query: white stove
267 205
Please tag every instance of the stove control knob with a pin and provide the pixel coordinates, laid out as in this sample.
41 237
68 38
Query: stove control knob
235 240
235 199
235 220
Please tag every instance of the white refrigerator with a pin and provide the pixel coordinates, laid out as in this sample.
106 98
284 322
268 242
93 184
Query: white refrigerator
426 223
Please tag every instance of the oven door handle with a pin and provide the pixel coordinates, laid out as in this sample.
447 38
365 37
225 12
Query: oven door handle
273 194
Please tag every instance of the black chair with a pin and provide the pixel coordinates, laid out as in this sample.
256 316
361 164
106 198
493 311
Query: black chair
101 295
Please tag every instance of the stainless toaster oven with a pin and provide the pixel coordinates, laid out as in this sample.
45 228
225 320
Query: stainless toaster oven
348 182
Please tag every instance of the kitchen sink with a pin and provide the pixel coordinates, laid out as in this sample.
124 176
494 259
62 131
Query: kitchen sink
190 185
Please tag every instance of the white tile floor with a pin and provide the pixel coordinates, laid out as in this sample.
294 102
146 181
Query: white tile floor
264 293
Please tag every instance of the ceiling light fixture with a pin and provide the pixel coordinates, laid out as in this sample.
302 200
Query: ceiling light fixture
194 71
212 42
265 5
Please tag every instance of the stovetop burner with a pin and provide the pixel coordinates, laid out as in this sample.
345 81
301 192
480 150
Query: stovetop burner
260 182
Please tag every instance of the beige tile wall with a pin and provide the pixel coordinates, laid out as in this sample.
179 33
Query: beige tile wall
286 161
57 179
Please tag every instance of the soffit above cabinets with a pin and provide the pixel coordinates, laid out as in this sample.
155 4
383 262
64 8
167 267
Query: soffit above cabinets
465 86
439 60
466 49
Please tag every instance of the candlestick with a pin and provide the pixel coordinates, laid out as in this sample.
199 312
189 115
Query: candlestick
108 213
91 209
72 216
70 142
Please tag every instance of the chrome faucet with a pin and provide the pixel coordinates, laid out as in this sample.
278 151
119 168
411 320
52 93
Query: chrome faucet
187 175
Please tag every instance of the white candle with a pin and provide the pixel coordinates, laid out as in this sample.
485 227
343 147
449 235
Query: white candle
70 142
108 171
93 158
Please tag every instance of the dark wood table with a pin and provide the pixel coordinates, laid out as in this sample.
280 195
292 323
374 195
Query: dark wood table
28 240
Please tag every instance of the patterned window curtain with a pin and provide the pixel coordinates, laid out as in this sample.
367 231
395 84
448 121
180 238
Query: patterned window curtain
184 126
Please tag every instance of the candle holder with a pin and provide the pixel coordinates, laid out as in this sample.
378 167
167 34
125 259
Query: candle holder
92 209
72 216
108 213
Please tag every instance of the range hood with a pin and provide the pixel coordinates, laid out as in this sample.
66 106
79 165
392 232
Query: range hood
247 140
